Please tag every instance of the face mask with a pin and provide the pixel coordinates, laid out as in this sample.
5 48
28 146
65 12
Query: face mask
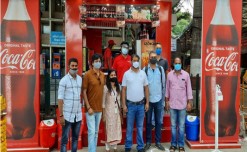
177 67
153 60
158 51
124 51
97 65
135 64
113 79
73 71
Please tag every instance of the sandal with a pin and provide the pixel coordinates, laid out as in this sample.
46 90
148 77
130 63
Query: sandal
181 149
172 148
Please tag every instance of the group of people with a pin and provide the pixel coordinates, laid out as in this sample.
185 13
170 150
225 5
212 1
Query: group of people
127 91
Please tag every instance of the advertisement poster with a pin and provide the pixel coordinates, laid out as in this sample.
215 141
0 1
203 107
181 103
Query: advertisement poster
146 47
221 50
19 70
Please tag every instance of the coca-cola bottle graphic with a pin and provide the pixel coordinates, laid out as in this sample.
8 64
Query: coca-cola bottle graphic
17 70
221 67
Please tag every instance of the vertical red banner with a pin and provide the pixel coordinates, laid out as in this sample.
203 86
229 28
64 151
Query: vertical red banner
221 50
19 70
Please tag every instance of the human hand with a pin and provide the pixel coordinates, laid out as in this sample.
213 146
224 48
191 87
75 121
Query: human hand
146 107
62 121
125 109
167 107
189 106
90 111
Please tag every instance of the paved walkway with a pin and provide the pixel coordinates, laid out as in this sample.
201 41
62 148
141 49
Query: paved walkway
153 149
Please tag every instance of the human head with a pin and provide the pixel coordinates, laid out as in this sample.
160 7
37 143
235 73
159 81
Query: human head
96 61
111 43
177 64
152 57
124 48
135 61
158 48
112 77
73 66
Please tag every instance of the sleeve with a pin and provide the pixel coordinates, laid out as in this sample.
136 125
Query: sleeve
166 65
163 83
189 88
85 81
145 79
104 97
124 81
61 89
167 92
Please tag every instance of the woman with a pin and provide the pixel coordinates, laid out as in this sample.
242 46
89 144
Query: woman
111 111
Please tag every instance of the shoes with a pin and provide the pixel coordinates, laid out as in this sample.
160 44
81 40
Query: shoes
127 149
160 147
153 127
172 148
147 146
141 150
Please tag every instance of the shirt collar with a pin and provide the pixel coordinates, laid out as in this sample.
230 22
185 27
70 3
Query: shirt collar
181 72
70 76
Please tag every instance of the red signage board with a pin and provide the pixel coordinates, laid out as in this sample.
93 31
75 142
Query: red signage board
221 51
19 70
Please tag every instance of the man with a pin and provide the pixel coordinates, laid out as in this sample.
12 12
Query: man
122 63
93 85
69 104
136 84
178 99
108 55
161 62
156 86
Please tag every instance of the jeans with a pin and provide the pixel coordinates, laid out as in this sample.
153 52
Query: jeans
75 127
93 122
155 108
177 126
135 114
161 117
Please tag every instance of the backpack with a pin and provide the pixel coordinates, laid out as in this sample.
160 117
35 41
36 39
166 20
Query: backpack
146 71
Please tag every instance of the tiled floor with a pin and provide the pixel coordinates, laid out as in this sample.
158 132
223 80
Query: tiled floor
166 145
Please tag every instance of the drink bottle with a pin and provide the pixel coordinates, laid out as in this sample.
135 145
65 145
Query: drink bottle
17 70
221 67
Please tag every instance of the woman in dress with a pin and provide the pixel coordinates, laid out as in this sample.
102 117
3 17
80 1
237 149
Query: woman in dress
111 111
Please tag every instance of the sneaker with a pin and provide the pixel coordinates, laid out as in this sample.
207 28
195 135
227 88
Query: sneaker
141 150
160 147
127 149
147 146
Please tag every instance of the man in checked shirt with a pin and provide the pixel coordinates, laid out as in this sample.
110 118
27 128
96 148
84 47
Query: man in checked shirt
178 100
69 104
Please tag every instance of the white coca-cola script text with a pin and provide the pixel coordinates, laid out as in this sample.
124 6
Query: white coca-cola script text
20 61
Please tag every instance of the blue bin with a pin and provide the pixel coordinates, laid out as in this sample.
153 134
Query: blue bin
192 128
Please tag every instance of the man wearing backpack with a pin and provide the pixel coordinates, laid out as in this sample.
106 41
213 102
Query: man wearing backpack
163 63
156 85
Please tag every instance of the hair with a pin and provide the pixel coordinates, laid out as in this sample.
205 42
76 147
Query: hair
152 52
135 55
108 83
96 57
124 42
72 60
177 58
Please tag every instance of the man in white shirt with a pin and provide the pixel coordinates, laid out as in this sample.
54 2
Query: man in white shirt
136 84
69 104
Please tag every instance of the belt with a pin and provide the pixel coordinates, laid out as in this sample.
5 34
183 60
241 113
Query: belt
136 103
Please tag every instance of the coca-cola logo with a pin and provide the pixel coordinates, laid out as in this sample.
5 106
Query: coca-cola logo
221 63
17 61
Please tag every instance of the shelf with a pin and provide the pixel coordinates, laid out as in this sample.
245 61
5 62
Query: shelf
101 19
137 21
101 27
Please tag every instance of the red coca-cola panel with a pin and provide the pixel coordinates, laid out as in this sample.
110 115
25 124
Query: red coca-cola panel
19 70
221 50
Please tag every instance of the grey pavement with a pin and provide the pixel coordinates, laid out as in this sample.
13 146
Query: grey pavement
167 145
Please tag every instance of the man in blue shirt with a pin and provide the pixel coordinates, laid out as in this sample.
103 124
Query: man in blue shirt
156 86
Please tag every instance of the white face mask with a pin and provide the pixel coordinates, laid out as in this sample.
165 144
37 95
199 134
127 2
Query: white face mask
135 64
73 71
97 65
124 51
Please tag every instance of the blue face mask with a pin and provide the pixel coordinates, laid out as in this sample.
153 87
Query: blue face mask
158 51
97 65
177 67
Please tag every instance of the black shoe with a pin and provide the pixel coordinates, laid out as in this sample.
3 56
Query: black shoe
153 126
127 149
147 146
160 147
141 150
